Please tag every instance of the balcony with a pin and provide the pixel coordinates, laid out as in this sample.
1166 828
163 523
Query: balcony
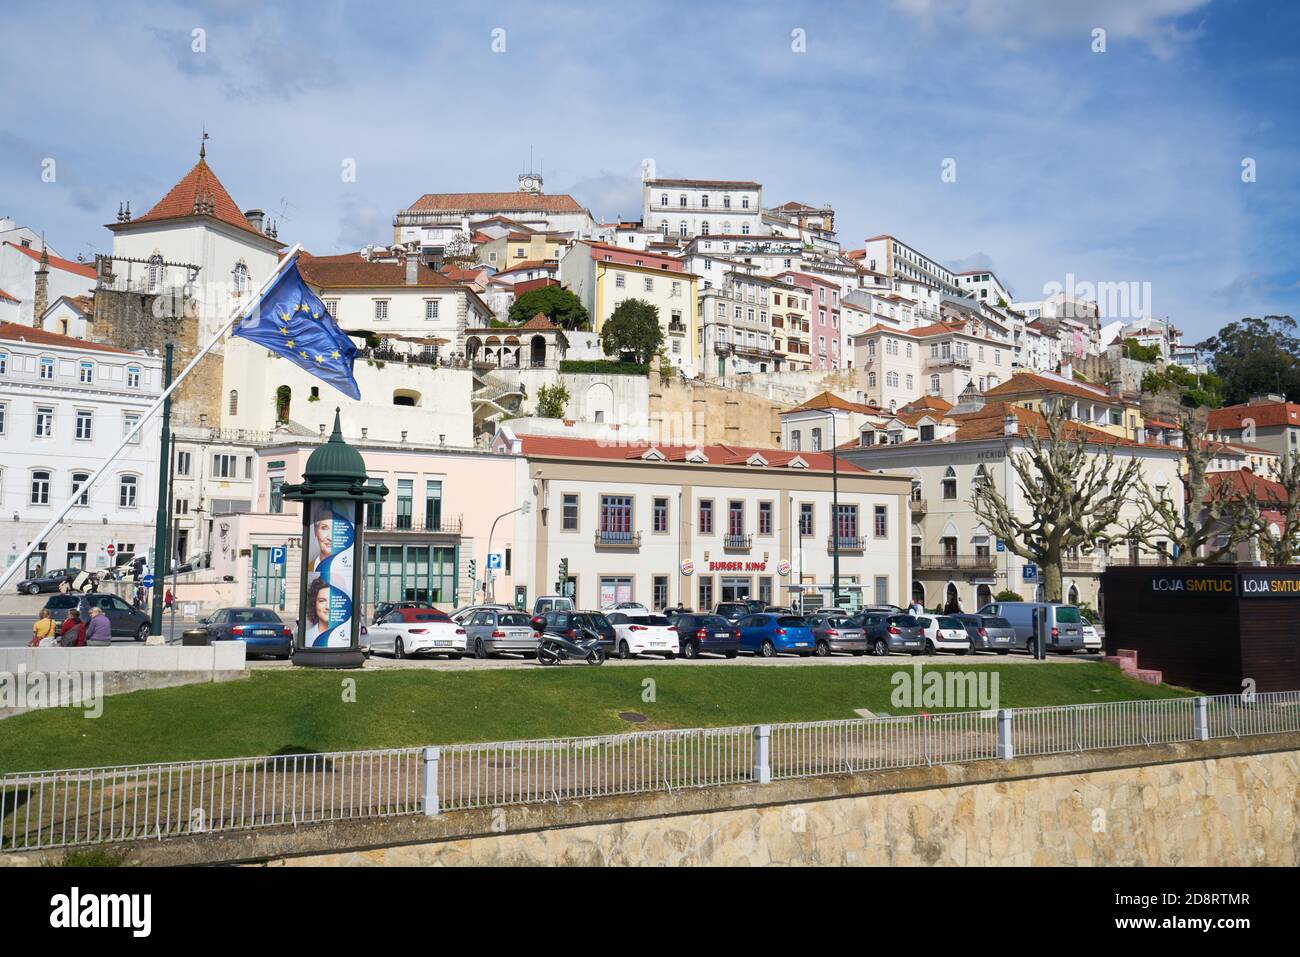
446 525
737 543
609 539
677 328
954 563
920 506
1079 565
847 543
947 362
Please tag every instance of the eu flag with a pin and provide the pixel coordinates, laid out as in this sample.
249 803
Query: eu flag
292 322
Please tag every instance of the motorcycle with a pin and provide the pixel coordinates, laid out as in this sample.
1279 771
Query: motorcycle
552 649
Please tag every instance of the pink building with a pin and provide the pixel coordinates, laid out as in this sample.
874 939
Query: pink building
826 337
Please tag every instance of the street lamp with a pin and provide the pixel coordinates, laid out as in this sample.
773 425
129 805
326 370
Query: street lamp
835 516
490 592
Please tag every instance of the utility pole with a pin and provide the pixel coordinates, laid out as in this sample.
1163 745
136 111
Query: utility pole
160 549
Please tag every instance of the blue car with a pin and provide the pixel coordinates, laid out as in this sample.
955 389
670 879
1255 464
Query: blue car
261 630
769 635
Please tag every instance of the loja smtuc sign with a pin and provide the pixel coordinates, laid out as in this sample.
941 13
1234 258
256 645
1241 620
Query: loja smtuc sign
1246 585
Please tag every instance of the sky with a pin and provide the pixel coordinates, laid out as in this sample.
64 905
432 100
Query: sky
1163 151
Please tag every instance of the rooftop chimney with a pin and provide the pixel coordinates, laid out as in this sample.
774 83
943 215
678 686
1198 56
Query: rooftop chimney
412 269
1067 370
255 218
1010 424
42 288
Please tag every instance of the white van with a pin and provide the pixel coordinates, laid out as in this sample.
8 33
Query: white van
547 603
1064 624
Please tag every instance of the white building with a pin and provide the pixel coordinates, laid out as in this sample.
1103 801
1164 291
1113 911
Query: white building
64 405
22 267
682 208
899 261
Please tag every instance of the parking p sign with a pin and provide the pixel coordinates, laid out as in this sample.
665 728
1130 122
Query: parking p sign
1029 573
277 554
495 561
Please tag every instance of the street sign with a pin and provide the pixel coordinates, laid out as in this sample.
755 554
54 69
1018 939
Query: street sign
1002 546
109 548
148 581
1029 573
496 561
277 554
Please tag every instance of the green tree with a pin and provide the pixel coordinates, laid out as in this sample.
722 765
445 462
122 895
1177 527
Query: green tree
554 302
633 328
1008 596
552 400
1135 350
1256 355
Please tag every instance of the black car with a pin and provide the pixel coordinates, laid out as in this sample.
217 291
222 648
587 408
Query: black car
699 634
47 581
123 620
260 629
733 611
572 623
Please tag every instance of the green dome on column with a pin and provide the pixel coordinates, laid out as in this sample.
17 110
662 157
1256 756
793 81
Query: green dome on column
335 460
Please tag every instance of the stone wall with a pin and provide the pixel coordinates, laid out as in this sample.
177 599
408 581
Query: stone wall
684 411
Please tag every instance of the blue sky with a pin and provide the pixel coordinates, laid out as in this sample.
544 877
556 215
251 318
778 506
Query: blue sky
1119 166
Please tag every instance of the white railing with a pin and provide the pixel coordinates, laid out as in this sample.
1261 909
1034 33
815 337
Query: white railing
61 808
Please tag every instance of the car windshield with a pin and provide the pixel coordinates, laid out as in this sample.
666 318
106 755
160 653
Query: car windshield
841 622
62 601
659 620
599 623
790 621
996 623
515 619
951 623
238 615
1067 614
714 621
904 621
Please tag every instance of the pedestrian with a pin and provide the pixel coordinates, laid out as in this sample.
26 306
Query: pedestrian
72 633
916 608
42 630
168 598
98 628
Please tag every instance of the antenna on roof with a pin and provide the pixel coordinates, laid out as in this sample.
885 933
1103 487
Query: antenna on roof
203 149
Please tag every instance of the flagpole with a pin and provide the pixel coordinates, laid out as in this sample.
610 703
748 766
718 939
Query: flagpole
84 488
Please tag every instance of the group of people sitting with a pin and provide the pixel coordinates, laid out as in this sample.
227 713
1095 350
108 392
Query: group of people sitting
72 632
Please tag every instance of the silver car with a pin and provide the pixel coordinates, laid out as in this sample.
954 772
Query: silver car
838 633
989 633
493 631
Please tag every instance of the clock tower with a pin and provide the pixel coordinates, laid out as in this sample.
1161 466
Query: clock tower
530 182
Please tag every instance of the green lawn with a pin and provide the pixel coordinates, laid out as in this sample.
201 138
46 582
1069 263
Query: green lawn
301 711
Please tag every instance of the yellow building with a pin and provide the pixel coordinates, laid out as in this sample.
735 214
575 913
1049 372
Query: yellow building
1087 403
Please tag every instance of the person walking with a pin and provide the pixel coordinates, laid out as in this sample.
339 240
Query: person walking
168 598
915 608
72 633
43 629
98 628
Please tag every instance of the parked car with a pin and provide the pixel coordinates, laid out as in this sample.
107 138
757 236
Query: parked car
407 632
47 581
637 634
123 620
779 610
545 603
888 632
944 633
704 634
768 635
1064 624
384 607
461 615
733 611
631 607
261 630
493 631
989 633
838 633
672 613
570 624
1091 639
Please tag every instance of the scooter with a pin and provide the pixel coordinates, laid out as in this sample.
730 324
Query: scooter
552 649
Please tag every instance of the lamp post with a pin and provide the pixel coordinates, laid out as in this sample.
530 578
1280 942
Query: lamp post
161 516
835 517
491 590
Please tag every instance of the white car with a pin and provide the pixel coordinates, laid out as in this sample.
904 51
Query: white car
638 634
944 633
405 632
1091 640
628 608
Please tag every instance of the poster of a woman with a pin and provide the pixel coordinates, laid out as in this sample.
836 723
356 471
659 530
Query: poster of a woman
318 610
329 576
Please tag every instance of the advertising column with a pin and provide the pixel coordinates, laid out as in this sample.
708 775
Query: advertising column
331 559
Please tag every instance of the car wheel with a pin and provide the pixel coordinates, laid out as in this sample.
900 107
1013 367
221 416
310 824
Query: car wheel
690 650
399 651
479 650
767 650
1031 646
929 647
823 649
33 589
964 652
669 656
624 651
142 633
880 648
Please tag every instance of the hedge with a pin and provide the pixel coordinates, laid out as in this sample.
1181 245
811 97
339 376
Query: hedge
602 367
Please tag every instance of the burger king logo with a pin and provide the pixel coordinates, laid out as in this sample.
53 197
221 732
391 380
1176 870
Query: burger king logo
688 567
783 567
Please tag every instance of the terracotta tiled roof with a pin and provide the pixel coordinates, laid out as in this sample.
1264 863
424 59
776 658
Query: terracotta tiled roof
1027 383
539 321
1243 480
200 184
15 332
929 403
562 447
67 265
5 297
1264 415
988 423
829 400
492 202
549 264
337 272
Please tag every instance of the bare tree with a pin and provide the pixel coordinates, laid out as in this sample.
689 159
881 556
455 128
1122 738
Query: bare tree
1072 488
1208 523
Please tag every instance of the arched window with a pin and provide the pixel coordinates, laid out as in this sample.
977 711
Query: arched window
664 225
744 228
406 397
1073 596
155 272
239 277
79 480
934 384
891 379
681 228
133 377
40 487
950 483
982 477
704 228
234 402
704 201
127 487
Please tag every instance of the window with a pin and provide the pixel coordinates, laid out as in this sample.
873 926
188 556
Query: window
277 495
816 440
795 441
659 520
47 367
706 516
891 379
431 309
569 514
234 402
934 383
183 463
129 421
374 517
649 284
805 519
44 421
224 466
765 518
926 433
85 421
86 373
405 498
881 521
381 310
239 276
126 491
79 479
4 416
735 518
182 507
40 487
882 590
620 281
706 594
846 524
332 307
616 518
950 484
660 592
4 363
133 377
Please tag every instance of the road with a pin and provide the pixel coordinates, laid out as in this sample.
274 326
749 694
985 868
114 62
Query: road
16 630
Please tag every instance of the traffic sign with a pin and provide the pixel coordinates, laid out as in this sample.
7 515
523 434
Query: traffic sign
277 554
496 561
1029 573
109 548
1002 546
147 582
